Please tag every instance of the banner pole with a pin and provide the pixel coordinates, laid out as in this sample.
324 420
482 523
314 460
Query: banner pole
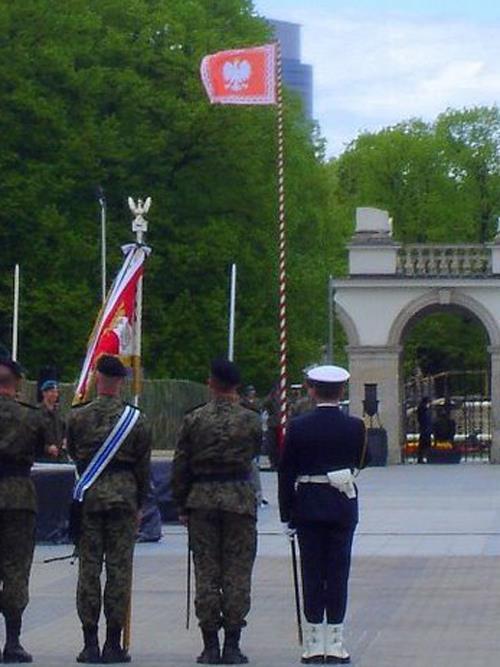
283 324
139 227
232 313
15 314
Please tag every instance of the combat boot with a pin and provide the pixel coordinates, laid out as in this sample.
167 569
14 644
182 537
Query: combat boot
13 651
90 652
335 651
314 644
231 654
211 648
112 651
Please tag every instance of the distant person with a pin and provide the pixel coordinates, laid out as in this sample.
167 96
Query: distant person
299 402
272 408
318 500
54 425
424 418
444 428
212 489
251 401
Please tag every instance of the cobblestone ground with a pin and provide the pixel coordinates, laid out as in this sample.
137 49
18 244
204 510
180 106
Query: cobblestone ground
425 585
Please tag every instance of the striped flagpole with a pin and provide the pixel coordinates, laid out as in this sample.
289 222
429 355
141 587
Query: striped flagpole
283 328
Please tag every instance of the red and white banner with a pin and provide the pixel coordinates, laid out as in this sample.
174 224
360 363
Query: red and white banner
241 76
115 329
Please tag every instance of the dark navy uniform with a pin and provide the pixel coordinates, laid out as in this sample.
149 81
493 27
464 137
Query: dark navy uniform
318 442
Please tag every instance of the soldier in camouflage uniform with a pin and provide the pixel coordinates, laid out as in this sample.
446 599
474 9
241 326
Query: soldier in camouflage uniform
212 489
111 510
20 434
53 423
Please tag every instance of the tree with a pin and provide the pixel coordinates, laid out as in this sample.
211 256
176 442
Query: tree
107 92
440 181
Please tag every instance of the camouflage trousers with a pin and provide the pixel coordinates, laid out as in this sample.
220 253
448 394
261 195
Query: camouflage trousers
106 538
224 546
17 543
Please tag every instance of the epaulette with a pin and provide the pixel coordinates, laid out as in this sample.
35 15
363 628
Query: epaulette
252 408
134 406
201 405
29 405
75 406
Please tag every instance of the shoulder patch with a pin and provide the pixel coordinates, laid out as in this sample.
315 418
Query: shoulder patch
196 407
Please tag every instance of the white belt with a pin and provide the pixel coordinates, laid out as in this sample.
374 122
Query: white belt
342 480
313 479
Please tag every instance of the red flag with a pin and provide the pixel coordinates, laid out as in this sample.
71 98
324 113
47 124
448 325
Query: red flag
114 332
241 76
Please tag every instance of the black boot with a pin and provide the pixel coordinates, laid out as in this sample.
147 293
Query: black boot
211 648
13 651
231 654
112 651
90 652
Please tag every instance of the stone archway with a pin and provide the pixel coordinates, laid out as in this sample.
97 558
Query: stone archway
391 286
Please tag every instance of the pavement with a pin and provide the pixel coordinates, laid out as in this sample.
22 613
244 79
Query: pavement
425 584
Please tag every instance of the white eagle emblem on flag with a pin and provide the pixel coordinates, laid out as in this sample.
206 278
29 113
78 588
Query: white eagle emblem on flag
236 74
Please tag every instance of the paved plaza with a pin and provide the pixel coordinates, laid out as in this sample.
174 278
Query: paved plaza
425 586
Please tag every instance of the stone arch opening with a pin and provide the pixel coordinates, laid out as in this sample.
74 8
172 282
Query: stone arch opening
457 383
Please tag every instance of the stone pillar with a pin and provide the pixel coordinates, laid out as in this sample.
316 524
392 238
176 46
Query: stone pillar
380 365
495 403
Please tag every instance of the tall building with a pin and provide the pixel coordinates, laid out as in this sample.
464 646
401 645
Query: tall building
296 75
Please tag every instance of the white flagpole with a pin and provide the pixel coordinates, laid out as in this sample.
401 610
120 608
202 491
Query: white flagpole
102 204
15 315
232 313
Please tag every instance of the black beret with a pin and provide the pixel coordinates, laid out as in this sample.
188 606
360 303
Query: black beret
111 366
12 365
226 372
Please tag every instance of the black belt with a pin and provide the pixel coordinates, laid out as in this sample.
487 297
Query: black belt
112 467
223 477
14 470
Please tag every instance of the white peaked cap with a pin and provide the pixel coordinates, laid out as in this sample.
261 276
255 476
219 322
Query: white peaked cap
328 374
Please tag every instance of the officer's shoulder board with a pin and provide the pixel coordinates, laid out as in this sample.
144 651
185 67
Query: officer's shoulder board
196 407
76 406
29 405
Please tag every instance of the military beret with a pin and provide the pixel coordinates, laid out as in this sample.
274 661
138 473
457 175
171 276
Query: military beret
328 374
111 366
225 371
49 384
12 365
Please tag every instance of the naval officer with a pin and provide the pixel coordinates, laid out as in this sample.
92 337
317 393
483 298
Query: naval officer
318 499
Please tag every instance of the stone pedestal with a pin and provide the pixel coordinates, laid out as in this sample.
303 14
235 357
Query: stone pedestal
381 366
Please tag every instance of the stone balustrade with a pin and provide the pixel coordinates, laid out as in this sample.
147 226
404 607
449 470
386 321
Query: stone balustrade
444 260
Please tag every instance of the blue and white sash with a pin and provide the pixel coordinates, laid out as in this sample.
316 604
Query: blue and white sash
106 451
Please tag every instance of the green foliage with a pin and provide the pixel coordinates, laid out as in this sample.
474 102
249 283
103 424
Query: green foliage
107 92
441 183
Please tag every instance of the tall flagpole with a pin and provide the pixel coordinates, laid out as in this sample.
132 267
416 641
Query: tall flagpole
15 314
139 227
101 197
232 313
283 324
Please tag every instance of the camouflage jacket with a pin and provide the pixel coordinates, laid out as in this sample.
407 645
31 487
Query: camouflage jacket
54 429
21 434
88 426
301 405
219 438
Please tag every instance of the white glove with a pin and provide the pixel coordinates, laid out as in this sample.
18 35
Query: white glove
289 532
